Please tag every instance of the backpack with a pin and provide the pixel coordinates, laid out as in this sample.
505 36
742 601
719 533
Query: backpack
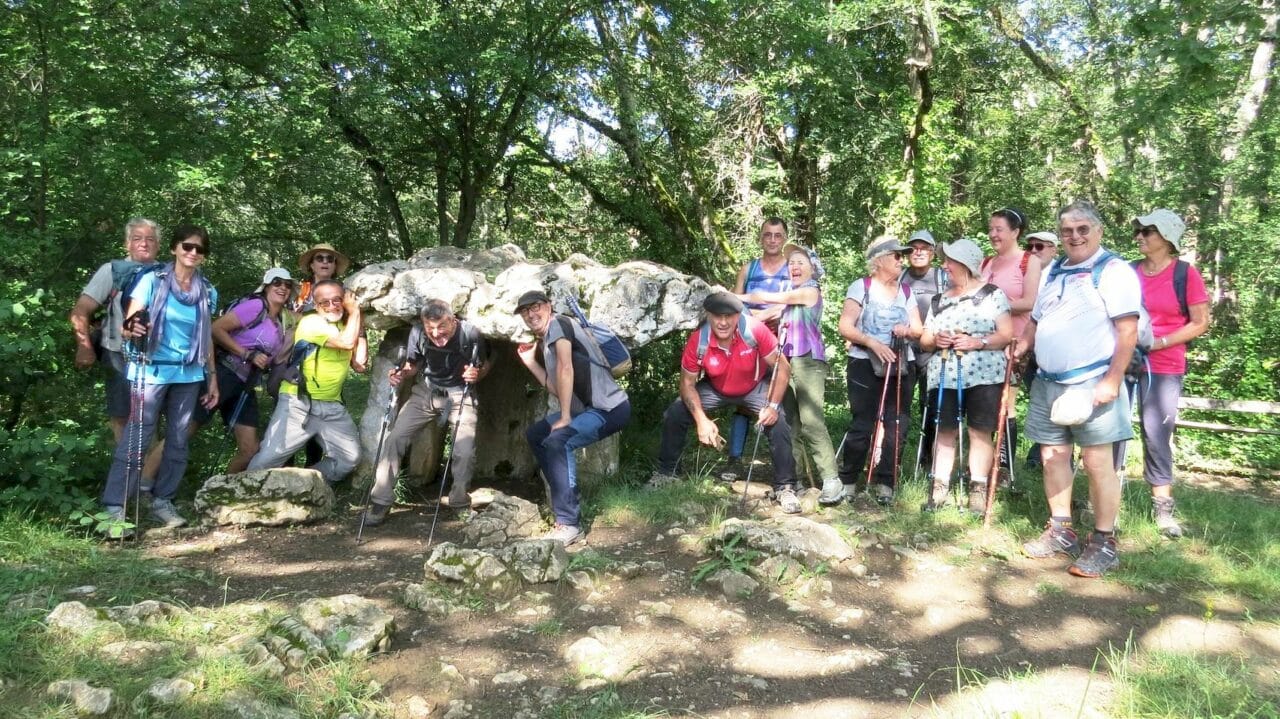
125 275
617 358
1146 338
744 331
257 320
291 369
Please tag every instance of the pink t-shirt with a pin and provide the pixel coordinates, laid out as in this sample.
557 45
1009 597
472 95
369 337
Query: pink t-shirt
1008 276
1162 304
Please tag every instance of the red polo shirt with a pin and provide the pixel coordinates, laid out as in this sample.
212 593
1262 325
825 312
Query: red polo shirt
737 371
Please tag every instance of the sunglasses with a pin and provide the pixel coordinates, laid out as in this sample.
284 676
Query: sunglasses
1146 231
193 247
1038 246
335 302
327 259
278 282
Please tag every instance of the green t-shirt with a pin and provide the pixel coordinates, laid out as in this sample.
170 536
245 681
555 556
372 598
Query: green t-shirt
326 369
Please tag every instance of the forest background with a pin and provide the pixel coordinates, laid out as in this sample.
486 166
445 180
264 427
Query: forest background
621 129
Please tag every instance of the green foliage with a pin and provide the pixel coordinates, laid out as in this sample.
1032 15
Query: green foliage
1159 684
606 703
730 555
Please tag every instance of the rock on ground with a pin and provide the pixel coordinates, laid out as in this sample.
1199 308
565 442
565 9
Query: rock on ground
271 497
134 652
87 700
146 612
532 561
347 625
171 691
506 519
77 619
535 560
797 537
733 584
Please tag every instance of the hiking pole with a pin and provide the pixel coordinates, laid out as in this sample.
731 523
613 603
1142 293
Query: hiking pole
960 428
924 417
444 474
1000 433
897 417
782 333
250 383
877 436
137 412
397 362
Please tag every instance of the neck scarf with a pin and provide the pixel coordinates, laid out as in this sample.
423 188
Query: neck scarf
167 286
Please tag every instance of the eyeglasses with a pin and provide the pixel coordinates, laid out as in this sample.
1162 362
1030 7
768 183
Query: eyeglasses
193 247
1146 231
900 256
920 249
1038 246
335 302
1079 230
278 282
327 259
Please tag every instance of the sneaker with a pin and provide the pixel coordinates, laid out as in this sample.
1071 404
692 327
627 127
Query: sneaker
832 492
564 533
117 525
884 495
977 497
787 500
731 471
163 511
658 480
376 514
459 499
1054 540
1162 510
1099 556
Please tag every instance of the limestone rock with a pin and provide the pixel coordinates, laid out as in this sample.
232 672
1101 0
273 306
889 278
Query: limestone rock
510 678
779 569
134 652
800 538
417 596
146 612
472 567
87 700
347 624
77 619
171 691
415 707
581 581
246 706
536 560
505 519
733 584
271 497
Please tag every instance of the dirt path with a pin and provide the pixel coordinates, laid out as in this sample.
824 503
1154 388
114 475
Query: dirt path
929 617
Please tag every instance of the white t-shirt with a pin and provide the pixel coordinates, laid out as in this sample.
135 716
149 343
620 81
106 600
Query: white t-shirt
1074 320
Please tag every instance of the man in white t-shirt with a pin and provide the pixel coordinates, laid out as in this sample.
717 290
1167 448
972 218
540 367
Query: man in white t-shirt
1093 294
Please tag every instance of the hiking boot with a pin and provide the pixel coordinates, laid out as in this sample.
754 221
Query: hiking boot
163 511
977 497
731 471
937 498
1162 510
459 499
787 500
376 514
1099 556
658 480
832 492
1054 540
564 533
117 525
884 495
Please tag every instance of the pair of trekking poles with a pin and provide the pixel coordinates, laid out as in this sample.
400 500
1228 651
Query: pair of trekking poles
387 419
893 371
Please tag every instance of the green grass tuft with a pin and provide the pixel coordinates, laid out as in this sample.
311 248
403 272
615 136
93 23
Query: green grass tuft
1166 685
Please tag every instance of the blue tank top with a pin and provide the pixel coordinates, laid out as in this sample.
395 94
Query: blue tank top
760 281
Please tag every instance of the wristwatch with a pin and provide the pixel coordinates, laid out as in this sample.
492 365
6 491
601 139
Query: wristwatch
984 341
773 406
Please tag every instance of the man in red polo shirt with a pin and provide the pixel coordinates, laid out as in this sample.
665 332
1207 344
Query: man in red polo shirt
731 371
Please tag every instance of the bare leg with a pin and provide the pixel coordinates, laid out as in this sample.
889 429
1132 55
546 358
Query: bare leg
1058 477
246 447
1104 485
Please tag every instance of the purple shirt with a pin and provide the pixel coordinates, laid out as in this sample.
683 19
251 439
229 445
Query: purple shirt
804 329
266 336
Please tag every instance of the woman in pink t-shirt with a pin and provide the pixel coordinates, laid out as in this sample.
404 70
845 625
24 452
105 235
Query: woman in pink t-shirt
1159 237
1016 272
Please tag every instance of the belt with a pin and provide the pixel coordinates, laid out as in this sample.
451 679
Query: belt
1071 373
442 391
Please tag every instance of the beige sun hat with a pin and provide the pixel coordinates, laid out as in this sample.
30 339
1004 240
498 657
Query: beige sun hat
1168 224
304 260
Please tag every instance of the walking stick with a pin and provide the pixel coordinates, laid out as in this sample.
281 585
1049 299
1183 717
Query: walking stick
877 437
897 418
960 428
742 502
924 416
382 436
1000 433
944 356
137 417
444 474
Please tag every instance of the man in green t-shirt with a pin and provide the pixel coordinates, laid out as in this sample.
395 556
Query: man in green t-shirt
316 409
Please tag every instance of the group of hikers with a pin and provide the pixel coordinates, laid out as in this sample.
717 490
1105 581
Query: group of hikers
1088 331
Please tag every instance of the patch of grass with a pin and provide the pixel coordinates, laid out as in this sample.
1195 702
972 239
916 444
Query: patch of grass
549 627
604 704
1166 684
590 560
729 556
619 503
1046 588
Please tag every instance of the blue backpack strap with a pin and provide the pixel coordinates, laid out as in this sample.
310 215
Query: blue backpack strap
1071 373
704 340
744 331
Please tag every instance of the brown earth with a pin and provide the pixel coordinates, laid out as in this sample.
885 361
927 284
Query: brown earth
936 627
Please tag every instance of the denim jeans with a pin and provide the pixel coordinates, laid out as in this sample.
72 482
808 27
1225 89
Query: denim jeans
554 453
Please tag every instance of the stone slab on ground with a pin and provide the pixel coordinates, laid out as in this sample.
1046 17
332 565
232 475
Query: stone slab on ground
270 497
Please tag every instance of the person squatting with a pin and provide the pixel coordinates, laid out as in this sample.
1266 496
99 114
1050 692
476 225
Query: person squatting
934 328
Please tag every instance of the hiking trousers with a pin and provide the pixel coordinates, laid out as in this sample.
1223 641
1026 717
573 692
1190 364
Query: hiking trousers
554 452
177 402
808 422
429 408
298 419
864 402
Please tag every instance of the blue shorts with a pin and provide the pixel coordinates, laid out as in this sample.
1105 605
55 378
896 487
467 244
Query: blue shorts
1108 423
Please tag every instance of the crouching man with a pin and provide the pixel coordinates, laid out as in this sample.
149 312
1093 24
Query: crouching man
733 359
316 409
589 404
447 356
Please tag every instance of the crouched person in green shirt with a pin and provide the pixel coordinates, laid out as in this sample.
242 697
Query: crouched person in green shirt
334 329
